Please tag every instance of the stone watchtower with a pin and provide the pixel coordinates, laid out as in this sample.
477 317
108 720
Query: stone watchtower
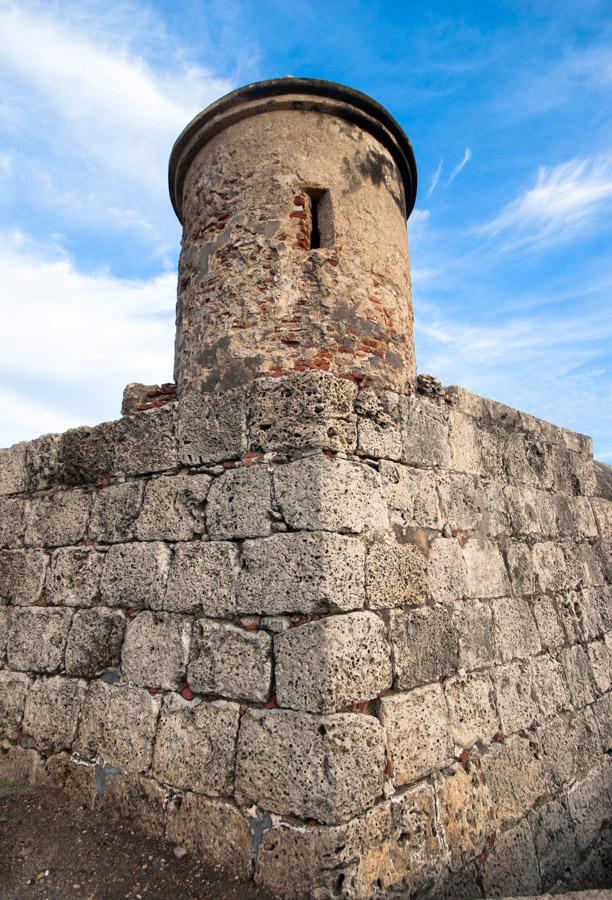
334 628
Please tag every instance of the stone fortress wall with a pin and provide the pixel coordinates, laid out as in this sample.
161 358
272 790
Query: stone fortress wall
345 639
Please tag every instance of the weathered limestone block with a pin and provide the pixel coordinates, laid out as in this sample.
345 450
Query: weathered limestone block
22 576
211 426
173 508
549 686
473 622
513 690
156 650
136 800
87 455
37 639
114 512
520 568
511 868
569 746
134 575
465 444
554 841
118 725
425 433
74 575
461 500
582 519
299 411
216 831
12 521
201 578
58 519
594 612
530 512
329 768
146 442
94 642
425 645
396 574
547 621
379 431
13 690
600 664
602 711
43 462
317 493
5 624
603 515
22 766
485 570
472 715
416 727
549 567
231 662
196 745
240 503
52 710
515 777
329 664
589 805
576 664
447 573
411 496
301 572
13 472
465 812
516 634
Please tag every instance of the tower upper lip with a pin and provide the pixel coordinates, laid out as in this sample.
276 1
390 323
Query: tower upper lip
292 93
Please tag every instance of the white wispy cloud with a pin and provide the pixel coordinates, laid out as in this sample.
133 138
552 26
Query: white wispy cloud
435 179
467 155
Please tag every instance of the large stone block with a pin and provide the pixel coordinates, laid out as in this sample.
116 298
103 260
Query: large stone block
43 462
328 768
511 868
447 573
411 496
87 455
146 442
425 645
589 805
13 473
135 575
551 633
514 693
201 578
211 426
329 664
396 574
472 715
214 830
603 515
549 686
425 433
114 512
473 621
600 664
485 570
52 710
118 726
569 746
549 567
37 639
416 727
173 508
58 519
577 672
135 799
12 521
13 689
520 568
516 634
231 662
515 777
379 432
196 745
554 841
240 504
94 642
465 812
317 493
5 624
301 572
74 575
465 444
461 500
22 576
156 650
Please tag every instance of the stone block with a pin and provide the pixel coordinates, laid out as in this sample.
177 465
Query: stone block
576 664
114 512
396 574
201 578
524 509
230 662
569 746
173 508
600 664
118 725
425 645
135 800
240 504
211 427
58 519
332 663
21 766
465 812
547 621
13 472
485 570
94 642
299 411
156 650
516 633
73 577
554 841
520 568
462 501
549 686
515 777
593 608
196 745
146 442
328 768
473 621
465 444
13 689
583 520
603 516
87 455
37 639
379 433
216 831
513 691
589 805
12 521
425 433
52 710
22 576
472 716
549 567
602 711
411 496
317 493
301 572
511 868
5 624
416 728
135 575
43 462
447 573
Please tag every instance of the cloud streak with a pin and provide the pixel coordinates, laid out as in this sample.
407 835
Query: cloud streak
467 155
436 178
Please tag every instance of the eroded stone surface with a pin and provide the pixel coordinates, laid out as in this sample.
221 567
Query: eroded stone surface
37 639
416 727
156 649
52 711
231 662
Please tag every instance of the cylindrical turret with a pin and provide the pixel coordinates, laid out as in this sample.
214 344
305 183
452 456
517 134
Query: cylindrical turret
293 195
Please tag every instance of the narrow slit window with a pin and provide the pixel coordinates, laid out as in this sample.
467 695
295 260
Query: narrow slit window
315 234
321 221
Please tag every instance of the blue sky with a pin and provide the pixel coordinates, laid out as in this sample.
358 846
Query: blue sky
509 109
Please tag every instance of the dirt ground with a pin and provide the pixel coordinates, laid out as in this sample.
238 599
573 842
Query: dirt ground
49 849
